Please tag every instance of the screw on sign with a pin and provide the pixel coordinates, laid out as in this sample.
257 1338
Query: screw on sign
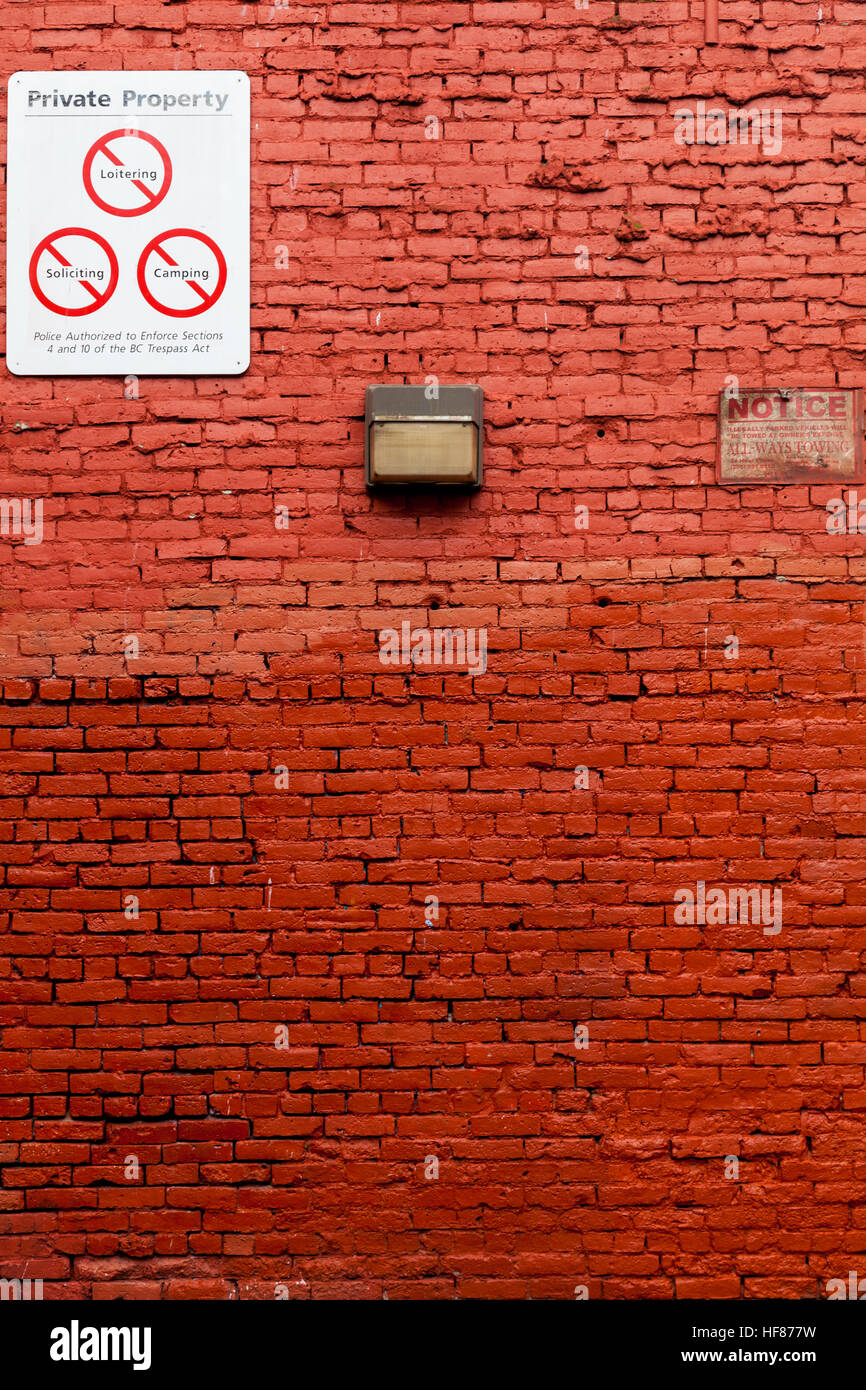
72 279
188 279
128 180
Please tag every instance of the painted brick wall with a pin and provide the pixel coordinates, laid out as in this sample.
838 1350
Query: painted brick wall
290 907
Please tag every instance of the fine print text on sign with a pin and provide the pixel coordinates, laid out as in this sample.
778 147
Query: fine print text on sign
791 435
128 247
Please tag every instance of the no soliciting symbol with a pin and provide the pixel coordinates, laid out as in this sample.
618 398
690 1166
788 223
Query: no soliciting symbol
81 284
188 279
132 178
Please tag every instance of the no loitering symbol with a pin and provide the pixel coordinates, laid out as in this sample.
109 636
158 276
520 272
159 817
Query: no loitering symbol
48 252
142 149
155 252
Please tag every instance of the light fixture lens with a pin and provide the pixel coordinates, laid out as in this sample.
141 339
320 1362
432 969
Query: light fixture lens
421 451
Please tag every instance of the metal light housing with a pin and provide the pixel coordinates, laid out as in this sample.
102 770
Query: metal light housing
412 440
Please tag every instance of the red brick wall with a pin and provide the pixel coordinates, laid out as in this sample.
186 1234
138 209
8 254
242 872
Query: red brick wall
303 907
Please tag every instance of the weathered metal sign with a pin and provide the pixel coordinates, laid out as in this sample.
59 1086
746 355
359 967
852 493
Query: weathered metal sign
790 435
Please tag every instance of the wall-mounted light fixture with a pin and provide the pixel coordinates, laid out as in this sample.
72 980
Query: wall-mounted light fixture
410 439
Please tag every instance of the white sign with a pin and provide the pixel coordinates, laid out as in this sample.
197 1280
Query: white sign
128 215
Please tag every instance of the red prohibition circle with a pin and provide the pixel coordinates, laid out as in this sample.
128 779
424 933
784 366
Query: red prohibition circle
101 147
207 300
47 244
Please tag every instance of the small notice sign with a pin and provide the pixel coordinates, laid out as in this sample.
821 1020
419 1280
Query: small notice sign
791 435
128 214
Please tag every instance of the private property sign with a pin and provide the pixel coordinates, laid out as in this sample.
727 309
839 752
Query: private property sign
791 435
128 248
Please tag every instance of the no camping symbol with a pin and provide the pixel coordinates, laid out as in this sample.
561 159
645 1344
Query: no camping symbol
185 280
127 172
73 272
